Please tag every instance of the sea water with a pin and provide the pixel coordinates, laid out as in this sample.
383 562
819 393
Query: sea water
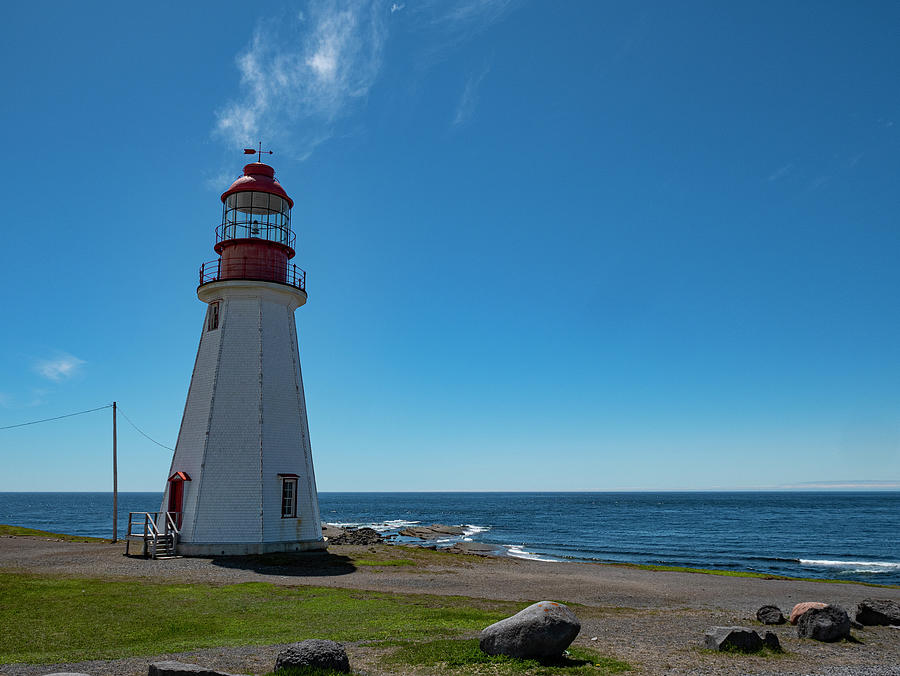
841 535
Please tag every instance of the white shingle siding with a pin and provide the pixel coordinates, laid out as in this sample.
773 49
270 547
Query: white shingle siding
245 423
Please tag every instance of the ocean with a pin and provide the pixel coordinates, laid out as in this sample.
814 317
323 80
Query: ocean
838 535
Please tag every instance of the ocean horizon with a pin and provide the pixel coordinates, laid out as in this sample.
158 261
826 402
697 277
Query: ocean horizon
826 534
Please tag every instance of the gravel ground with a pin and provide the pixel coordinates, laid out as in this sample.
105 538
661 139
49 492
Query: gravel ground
653 620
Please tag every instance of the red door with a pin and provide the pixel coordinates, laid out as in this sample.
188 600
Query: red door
176 494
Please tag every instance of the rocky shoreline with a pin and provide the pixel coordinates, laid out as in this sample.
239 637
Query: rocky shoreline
424 537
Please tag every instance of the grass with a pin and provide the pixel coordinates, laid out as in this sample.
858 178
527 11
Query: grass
744 573
305 671
383 562
19 531
45 619
765 651
464 655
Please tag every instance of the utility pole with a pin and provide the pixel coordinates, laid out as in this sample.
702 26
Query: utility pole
115 536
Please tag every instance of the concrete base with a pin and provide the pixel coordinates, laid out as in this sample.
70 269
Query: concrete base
244 548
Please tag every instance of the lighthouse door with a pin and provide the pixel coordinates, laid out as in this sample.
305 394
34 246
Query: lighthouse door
176 494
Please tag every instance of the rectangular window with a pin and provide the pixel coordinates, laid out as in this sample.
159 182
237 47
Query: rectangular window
288 498
212 319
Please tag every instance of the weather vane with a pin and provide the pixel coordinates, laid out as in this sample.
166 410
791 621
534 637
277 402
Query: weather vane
257 151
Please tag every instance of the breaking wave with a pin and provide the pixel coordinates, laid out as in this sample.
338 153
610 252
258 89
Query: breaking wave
852 566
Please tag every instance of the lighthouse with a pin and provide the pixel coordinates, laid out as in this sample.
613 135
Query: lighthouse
241 479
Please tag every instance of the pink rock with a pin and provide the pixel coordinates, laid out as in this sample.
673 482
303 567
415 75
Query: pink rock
801 608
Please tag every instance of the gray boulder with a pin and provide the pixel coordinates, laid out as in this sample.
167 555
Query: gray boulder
733 638
878 612
770 615
173 668
828 624
543 629
317 653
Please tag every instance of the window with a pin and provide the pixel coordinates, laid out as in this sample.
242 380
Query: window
212 318
288 498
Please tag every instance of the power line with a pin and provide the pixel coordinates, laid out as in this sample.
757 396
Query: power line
59 417
142 431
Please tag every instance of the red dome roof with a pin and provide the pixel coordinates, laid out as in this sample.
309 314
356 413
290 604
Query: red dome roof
258 177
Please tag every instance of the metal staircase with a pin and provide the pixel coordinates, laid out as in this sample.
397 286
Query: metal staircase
156 531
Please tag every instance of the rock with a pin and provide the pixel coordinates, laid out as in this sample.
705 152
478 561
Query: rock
543 629
733 638
67 673
771 641
315 653
432 532
828 624
770 615
878 612
801 608
357 536
329 531
172 668
477 548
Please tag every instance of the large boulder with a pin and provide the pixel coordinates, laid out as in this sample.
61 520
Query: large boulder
801 608
771 641
828 624
878 611
543 629
432 532
173 668
315 653
733 638
770 615
356 536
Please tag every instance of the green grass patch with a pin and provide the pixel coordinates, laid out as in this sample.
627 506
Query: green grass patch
6 529
305 671
745 573
383 562
765 651
465 656
47 619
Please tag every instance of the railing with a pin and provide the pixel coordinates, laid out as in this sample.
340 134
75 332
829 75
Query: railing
250 268
243 230
147 527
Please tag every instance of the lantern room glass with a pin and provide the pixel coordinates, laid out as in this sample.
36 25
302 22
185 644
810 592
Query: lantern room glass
256 215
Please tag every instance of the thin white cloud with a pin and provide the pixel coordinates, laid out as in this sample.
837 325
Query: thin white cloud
781 172
301 75
818 182
469 99
60 368
469 12
305 73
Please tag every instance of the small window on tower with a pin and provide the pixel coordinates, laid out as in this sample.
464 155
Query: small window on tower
288 498
212 321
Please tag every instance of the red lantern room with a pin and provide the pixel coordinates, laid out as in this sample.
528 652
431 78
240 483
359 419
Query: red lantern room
255 240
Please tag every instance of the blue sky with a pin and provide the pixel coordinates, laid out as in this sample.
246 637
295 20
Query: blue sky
550 246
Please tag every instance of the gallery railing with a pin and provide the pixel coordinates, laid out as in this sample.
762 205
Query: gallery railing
253 269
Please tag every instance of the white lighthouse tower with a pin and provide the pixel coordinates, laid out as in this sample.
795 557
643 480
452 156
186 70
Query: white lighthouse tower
241 480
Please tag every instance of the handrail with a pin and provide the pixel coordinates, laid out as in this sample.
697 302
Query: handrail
149 526
253 269
171 523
